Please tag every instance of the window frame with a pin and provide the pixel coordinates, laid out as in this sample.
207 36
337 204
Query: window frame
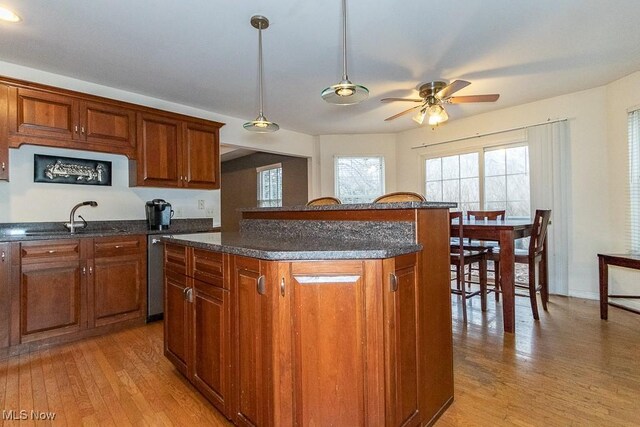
480 149
633 180
259 171
383 172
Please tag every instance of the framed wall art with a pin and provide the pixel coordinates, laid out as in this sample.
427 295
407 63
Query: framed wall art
67 170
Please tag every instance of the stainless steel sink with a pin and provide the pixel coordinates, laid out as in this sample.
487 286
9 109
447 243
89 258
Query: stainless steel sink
47 233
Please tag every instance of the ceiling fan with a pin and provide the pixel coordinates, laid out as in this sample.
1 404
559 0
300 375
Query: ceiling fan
433 95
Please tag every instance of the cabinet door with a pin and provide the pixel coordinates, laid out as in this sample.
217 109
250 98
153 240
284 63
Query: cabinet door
176 320
4 140
159 161
401 337
201 156
118 275
43 114
51 296
109 125
251 343
5 306
330 369
211 346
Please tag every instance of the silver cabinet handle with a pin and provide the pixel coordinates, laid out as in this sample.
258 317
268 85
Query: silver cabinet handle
155 241
3 256
3 166
52 251
190 294
184 293
84 271
76 128
90 270
118 246
282 288
393 282
82 130
262 287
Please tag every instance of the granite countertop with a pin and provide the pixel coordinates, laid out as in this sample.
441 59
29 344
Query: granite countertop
291 249
358 206
18 232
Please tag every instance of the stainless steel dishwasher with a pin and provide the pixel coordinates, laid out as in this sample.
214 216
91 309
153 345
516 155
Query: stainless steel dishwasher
155 278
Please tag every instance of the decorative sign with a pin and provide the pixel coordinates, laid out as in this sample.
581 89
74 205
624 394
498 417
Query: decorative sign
67 170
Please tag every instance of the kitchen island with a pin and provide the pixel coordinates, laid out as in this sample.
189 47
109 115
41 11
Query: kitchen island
316 315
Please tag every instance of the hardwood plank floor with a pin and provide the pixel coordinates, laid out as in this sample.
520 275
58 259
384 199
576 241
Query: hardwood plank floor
570 368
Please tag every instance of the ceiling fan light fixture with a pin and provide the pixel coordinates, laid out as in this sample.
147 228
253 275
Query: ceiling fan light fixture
9 15
419 118
260 124
437 114
345 92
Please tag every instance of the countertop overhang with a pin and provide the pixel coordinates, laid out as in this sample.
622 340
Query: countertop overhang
292 249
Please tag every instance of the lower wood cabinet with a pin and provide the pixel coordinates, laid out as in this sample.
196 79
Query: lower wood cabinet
68 287
197 322
5 304
299 343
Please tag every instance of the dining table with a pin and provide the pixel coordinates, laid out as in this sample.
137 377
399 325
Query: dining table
505 232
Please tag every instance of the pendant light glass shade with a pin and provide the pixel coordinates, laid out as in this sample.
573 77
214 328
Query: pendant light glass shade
436 114
345 92
260 124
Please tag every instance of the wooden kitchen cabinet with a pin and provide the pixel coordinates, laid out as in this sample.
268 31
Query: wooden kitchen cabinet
117 275
197 321
46 117
51 290
76 287
5 304
174 152
4 140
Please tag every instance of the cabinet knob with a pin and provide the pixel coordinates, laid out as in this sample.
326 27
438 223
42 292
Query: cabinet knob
262 287
393 282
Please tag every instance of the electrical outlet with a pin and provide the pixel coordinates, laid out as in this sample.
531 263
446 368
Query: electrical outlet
200 204
209 213
179 212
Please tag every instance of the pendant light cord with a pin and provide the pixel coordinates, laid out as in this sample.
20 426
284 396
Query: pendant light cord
344 40
260 63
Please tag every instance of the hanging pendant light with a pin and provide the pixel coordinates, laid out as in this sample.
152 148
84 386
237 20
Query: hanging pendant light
345 92
260 124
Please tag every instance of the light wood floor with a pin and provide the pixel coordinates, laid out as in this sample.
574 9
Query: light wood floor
570 368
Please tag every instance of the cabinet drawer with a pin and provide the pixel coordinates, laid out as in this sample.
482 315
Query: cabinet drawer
49 251
207 266
175 258
117 246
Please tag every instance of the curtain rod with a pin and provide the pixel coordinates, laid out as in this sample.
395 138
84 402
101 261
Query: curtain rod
480 135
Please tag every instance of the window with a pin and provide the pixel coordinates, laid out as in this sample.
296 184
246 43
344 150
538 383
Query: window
270 185
491 178
506 181
455 179
634 179
359 179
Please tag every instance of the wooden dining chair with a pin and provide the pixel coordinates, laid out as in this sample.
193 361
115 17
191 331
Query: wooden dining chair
481 216
460 256
322 201
400 196
534 258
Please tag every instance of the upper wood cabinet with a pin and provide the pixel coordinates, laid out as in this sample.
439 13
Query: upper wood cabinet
53 119
174 152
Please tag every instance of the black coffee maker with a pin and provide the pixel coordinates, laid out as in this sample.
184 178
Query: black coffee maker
159 214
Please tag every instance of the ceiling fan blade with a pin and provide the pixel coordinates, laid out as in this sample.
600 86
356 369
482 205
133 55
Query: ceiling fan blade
400 99
452 88
473 98
402 113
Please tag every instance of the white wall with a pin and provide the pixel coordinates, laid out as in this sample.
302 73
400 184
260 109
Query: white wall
357 145
27 201
590 176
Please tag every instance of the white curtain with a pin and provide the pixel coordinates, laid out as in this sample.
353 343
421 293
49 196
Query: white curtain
549 176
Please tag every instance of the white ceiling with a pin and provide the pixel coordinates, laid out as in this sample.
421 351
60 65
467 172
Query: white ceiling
203 53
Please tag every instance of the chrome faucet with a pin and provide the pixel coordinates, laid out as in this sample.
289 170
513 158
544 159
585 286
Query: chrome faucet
72 225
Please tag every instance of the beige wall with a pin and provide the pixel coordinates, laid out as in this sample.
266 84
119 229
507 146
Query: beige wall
22 200
346 145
